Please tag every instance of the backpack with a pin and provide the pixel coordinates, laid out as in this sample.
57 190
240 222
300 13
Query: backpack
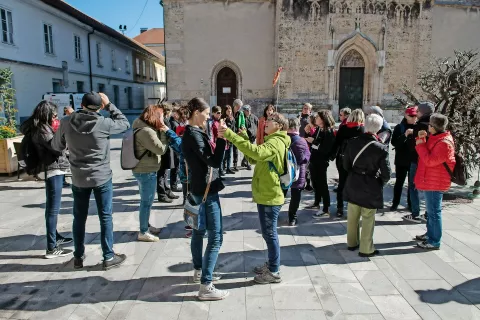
291 170
128 159
459 175
33 164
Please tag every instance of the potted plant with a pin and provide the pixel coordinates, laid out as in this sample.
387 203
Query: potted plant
8 123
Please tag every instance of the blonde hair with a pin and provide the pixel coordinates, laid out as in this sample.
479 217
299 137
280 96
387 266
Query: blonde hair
309 106
357 116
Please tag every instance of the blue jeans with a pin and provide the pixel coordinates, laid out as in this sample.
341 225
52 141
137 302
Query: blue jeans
53 190
147 185
227 159
412 190
433 201
81 199
268 221
214 226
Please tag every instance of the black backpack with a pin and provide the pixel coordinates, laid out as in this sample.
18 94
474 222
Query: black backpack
459 175
30 155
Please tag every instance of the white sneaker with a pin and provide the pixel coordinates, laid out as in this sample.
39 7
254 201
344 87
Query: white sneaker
147 237
320 215
154 230
197 276
208 292
57 253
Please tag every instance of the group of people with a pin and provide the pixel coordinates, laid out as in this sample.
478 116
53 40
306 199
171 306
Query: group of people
198 142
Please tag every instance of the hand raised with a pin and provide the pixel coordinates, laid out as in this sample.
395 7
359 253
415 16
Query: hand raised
105 99
422 134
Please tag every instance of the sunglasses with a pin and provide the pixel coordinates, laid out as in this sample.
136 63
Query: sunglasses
411 116
218 112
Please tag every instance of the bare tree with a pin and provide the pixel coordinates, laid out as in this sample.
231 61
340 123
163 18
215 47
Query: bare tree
453 84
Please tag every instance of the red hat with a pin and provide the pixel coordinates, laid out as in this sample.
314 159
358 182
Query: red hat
411 111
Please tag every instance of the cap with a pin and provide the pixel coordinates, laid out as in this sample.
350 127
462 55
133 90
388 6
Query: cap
376 110
92 101
426 107
247 107
411 111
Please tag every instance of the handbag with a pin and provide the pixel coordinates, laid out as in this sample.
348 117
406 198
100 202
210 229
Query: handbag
193 212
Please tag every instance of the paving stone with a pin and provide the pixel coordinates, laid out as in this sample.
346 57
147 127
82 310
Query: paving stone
300 315
353 298
395 308
375 283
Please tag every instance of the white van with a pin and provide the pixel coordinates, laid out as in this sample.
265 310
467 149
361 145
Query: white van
63 100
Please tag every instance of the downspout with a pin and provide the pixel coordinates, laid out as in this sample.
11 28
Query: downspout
90 59
165 47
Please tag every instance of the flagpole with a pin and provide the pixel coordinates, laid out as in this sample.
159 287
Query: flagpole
278 91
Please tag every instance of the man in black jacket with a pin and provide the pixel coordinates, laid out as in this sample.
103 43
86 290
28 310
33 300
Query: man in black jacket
251 124
366 161
425 110
400 141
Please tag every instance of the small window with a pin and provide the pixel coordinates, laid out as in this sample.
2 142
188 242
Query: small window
151 71
48 38
7 26
80 85
144 69
114 60
127 64
78 48
116 95
57 85
101 87
99 54
137 64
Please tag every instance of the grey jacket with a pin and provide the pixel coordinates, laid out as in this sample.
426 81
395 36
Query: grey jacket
87 135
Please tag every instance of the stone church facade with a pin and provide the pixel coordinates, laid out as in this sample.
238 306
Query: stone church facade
335 53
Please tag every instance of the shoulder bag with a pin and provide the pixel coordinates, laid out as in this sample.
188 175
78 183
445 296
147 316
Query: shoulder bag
194 214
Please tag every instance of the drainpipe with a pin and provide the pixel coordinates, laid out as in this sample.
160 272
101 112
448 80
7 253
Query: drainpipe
90 59
165 47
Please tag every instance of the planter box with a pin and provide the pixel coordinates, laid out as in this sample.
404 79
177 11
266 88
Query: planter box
8 157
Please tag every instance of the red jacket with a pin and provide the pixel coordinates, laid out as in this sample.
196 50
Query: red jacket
431 173
261 130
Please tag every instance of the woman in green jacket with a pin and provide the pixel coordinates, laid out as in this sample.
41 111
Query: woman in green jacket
266 189
150 142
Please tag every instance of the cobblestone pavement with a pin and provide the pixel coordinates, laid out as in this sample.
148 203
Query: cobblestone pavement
321 279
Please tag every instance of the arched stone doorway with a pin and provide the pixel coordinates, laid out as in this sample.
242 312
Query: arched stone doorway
226 86
351 84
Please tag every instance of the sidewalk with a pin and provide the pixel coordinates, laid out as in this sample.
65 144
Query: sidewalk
321 279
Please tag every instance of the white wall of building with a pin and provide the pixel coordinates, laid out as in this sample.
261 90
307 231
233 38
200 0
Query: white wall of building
34 70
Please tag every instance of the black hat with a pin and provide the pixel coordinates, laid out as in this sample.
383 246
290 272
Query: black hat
92 101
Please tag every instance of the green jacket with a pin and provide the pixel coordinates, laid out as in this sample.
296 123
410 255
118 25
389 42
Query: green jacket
266 187
240 120
147 138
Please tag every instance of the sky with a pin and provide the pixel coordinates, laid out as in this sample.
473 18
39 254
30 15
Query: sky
124 12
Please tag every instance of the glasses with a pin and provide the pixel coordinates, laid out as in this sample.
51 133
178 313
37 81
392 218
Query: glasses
218 112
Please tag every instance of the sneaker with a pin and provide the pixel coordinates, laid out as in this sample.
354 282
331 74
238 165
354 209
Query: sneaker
368 255
427 246
57 253
423 218
147 237
411 218
187 227
197 276
117 260
176 188
165 199
339 213
249 167
63 240
421 238
230 171
268 277
188 234
320 214
313 207
235 169
292 223
78 262
208 292
154 230
394 208
171 195
353 248
261 269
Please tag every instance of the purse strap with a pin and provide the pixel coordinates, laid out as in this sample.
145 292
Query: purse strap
361 151
208 185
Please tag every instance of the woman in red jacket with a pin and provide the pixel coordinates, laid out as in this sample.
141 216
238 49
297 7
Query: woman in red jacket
432 176
267 112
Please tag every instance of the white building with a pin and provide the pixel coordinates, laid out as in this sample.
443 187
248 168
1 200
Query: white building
52 47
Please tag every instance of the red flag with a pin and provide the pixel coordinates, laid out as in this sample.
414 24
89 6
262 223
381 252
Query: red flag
277 76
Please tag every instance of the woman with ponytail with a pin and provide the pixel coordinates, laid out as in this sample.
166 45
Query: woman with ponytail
203 164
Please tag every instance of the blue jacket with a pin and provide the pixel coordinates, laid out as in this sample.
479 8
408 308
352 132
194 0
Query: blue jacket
175 142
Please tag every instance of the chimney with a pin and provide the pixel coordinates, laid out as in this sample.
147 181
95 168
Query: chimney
142 30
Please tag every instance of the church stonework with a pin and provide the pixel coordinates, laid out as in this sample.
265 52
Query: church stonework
335 53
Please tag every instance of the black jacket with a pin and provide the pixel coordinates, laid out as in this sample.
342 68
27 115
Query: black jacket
401 143
322 148
200 157
422 124
251 122
51 159
231 124
344 134
365 181
303 124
